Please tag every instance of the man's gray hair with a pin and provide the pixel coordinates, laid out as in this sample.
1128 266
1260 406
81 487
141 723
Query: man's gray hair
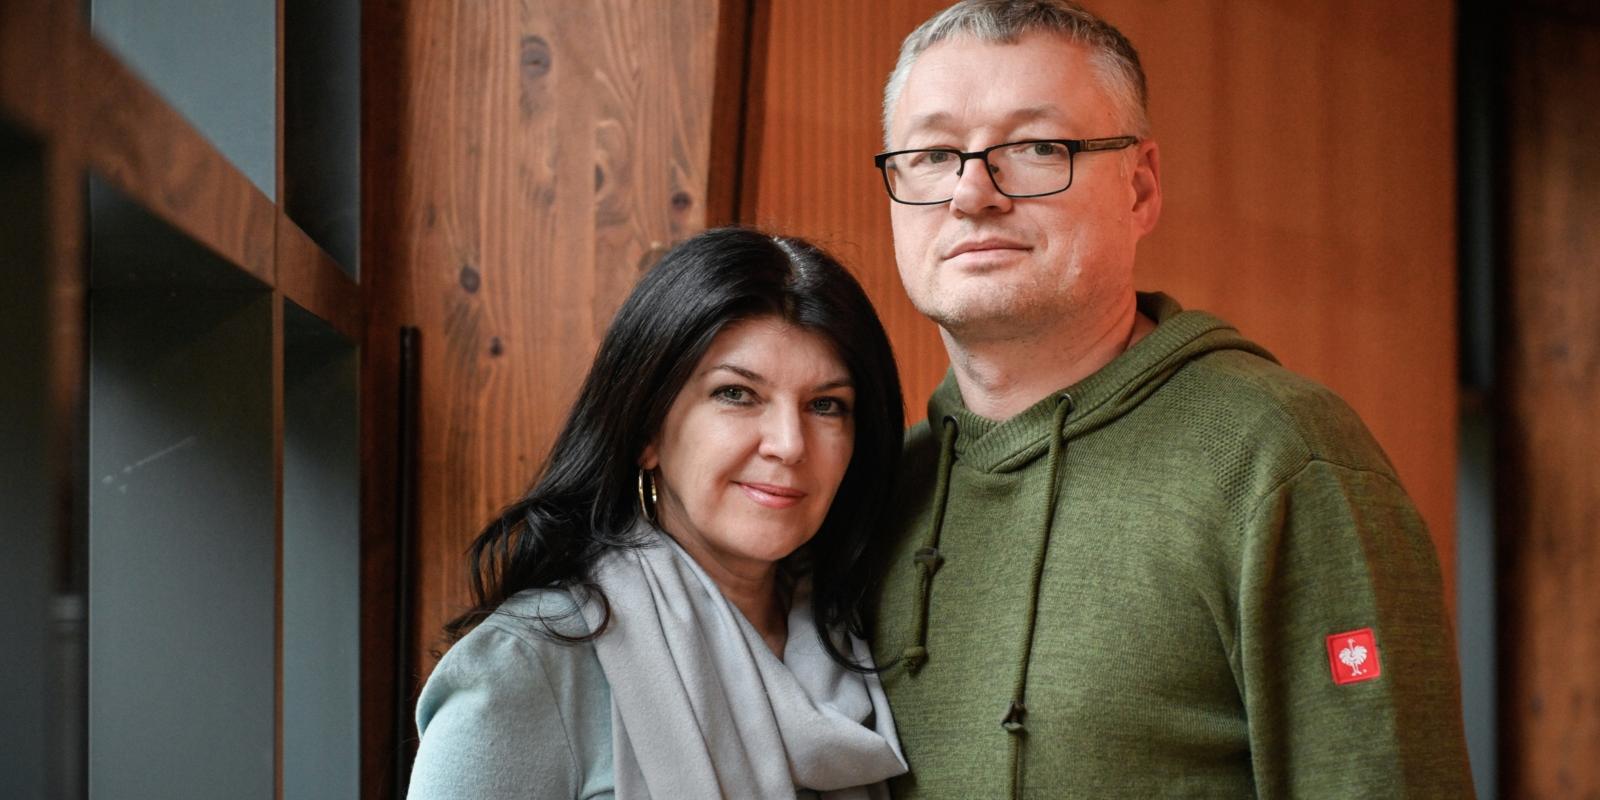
1006 21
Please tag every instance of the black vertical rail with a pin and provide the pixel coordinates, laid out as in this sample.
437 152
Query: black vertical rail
405 545
1481 45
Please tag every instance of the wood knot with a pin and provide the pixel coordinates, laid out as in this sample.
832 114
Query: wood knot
495 347
681 201
470 279
535 57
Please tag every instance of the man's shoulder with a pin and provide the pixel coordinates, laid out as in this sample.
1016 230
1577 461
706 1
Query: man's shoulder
1240 399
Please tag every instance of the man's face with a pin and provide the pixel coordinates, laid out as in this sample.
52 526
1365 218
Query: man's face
985 265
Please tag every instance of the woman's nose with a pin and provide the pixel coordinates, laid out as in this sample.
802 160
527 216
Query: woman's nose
783 436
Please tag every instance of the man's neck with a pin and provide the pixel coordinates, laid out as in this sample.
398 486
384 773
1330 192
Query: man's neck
999 378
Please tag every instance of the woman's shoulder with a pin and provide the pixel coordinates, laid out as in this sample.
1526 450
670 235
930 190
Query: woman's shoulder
530 649
539 616
510 681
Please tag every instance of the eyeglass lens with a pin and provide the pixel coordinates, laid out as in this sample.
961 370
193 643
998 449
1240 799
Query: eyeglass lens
1025 168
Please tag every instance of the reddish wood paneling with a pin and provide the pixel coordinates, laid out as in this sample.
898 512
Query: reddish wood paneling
1308 168
1549 489
524 164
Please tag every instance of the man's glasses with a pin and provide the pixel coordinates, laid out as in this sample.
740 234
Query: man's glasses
1033 168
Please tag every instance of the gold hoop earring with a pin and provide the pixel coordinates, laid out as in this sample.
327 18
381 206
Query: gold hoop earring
647 509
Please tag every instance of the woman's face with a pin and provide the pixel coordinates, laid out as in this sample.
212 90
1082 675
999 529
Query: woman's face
753 448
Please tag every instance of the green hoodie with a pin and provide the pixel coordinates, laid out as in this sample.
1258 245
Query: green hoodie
1129 590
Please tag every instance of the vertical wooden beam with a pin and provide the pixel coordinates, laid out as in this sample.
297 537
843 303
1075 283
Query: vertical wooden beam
53 28
68 467
35 33
278 431
384 103
735 77
1549 489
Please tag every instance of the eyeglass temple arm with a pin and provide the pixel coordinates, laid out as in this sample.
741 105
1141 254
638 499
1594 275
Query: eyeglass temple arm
1111 143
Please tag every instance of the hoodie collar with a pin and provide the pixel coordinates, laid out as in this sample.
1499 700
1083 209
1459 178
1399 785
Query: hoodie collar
1118 387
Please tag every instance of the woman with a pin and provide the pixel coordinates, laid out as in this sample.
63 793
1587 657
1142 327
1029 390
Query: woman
669 612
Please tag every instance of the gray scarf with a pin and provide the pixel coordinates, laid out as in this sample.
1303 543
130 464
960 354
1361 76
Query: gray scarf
701 707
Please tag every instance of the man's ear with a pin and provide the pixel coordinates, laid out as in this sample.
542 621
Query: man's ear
1146 182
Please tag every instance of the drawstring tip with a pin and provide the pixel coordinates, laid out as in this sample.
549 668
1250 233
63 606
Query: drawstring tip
915 657
1013 718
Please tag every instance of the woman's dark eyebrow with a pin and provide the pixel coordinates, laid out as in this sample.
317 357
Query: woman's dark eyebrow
741 372
756 377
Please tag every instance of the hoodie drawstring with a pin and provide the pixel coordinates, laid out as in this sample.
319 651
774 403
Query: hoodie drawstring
927 557
1014 721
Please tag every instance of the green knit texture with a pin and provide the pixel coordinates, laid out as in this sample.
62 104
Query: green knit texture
1215 519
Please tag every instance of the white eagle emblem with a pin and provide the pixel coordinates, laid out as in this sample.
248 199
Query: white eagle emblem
1353 656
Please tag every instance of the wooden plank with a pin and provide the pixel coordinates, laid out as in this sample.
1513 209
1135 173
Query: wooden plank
1548 492
309 276
147 150
533 163
1295 147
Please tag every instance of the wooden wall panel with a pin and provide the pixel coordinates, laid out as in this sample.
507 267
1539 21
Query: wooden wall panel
1549 489
1308 167
524 164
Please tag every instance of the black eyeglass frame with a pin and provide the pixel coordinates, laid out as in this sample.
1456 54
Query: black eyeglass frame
1074 147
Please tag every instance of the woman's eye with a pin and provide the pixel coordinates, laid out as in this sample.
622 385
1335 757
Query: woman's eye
732 395
829 407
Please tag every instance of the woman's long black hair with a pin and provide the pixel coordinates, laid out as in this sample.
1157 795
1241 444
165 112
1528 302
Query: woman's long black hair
585 500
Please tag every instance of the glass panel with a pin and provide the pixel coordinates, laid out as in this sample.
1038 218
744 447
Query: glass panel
182 541
321 562
322 124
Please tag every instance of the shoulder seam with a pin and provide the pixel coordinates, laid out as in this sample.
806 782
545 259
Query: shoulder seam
1272 491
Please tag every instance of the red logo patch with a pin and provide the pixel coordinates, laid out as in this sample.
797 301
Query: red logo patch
1353 657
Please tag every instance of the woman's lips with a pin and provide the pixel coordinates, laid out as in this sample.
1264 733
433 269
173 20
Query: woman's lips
770 496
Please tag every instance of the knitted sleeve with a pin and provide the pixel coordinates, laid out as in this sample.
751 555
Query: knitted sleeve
505 717
1333 552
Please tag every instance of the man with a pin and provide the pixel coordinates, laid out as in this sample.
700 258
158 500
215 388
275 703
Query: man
1135 556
